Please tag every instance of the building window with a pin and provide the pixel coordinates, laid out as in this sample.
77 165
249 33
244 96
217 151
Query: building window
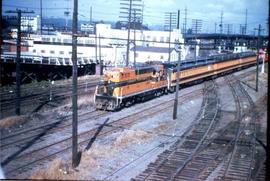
52 51
167 39
46 39
89 42
162 39
67 41
42 51
80 41
136 55
61 52
154 39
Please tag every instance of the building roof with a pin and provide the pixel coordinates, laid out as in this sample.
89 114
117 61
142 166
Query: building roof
152 49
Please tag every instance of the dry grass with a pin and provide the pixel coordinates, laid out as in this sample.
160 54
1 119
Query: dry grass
88 77
125 139
85 100
104 151
13 120
131 137
265 76
57 170
162 127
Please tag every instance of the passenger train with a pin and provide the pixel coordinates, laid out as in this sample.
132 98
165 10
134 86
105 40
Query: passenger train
122 87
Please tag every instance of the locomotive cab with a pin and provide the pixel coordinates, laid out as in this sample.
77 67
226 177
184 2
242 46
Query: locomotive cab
104 98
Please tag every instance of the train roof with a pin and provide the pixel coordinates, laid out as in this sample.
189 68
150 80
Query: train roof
186 64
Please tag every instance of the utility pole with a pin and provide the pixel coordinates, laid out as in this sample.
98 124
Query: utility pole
134 27
246 22
221 29
96 46
100 59
129 18
185 25
196 27
221 23
175 106
66 13
142 15
126 8
258 46
90 15
1 43
18 66
41 17
169 55
178 20
75 160
170 20
18 58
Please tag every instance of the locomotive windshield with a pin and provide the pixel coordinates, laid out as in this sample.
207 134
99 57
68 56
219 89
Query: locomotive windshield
103 88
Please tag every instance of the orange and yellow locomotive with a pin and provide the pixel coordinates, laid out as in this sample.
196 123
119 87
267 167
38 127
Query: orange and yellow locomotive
122 87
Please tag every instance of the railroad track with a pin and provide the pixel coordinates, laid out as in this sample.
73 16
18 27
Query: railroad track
62 123
45 96
41 97
235 148
240 162
172 164
196 160
214 150
29 158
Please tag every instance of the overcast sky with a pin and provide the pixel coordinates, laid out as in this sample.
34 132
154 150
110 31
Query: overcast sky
209 11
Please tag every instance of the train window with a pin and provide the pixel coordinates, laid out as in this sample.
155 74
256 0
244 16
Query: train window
52 51
42 51
34 50
61 52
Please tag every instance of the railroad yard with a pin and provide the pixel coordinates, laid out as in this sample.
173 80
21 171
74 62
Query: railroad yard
219 133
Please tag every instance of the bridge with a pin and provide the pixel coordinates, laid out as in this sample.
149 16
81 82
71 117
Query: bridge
10 57
37 68
212 36
229 40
